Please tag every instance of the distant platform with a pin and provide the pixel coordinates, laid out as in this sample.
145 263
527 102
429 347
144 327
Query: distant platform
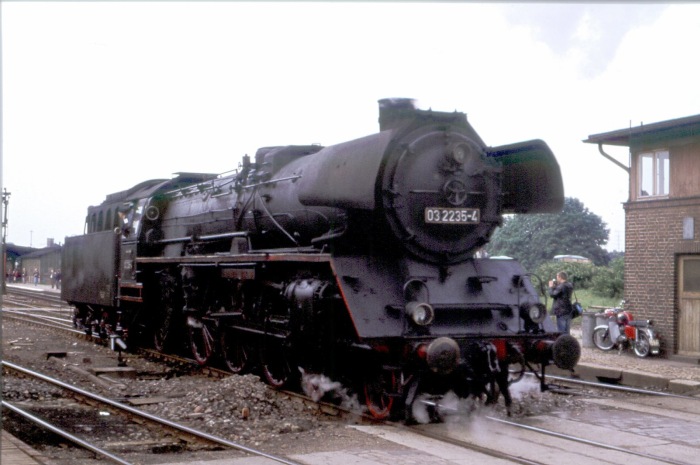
34 287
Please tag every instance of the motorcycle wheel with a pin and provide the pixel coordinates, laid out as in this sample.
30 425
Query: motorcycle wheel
642 347
602 340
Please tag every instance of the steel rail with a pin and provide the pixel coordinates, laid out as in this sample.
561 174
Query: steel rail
148 416
74 439
40 317
615 387
36 321
53 298
586 441
466 445
15 303
15 307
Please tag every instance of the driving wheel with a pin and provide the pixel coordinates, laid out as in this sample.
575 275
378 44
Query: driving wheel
201 340
379 393
275 364
233 351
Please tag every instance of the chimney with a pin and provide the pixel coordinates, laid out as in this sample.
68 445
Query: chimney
394 111
49 242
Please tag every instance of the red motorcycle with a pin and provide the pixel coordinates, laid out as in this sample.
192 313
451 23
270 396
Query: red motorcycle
622 330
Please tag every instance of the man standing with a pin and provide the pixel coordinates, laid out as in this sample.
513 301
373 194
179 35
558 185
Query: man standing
560 289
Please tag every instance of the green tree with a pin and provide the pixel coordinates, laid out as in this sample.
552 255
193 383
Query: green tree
533 239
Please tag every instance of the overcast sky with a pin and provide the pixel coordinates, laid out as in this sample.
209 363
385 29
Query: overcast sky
98 97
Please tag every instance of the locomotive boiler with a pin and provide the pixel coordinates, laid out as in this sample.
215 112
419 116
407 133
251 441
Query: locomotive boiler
356 260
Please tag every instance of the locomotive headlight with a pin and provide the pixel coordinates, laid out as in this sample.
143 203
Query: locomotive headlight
537 313
421 313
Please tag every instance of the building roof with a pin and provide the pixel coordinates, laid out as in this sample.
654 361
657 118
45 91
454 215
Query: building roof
18 250
678 128
42 252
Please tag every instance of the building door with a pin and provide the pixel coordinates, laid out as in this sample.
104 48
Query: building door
689 305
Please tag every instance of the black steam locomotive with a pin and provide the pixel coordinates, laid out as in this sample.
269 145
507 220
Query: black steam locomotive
357 261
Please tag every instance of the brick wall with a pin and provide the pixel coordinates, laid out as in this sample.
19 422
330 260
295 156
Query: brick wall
653 242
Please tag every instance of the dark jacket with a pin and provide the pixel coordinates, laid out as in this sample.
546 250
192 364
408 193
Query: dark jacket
561 293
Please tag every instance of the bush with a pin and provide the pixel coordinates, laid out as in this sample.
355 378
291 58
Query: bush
610 281
580 274
606 281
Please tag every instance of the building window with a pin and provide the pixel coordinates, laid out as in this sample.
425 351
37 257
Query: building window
654 173
691 275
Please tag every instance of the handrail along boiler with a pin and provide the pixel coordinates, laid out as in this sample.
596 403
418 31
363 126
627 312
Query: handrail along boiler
355 260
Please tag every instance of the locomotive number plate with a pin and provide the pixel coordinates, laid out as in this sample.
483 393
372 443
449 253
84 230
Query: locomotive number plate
439 215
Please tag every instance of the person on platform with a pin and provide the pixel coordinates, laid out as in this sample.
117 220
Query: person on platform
560 289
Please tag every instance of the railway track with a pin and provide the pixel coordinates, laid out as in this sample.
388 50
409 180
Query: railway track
516 442
47 317
618 388
16 295
43 424
443 435
579 440
137 416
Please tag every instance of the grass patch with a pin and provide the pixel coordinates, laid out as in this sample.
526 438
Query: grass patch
590 299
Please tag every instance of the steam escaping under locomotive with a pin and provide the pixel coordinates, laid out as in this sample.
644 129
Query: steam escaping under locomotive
357 261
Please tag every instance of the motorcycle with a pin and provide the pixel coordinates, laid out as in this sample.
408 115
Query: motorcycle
622 330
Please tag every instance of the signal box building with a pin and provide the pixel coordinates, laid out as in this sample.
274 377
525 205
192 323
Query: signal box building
662 219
